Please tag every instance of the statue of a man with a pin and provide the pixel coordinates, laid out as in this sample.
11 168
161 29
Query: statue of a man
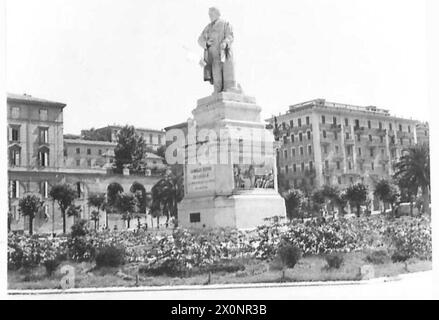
216 40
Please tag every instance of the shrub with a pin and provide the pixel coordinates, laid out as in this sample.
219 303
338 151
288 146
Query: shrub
288 255
51 266
226 266
334 260
80 249
400 256
169 267
110 256
79 229
377 257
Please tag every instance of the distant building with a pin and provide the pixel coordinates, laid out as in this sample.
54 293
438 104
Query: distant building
79 153
325 143
423 133
154 138
40 156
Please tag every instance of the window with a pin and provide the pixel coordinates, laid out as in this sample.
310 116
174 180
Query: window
308 135
323 120
44 135
358 137
291 123
300 137
307 121
89 162
326 164
294 168
14 187
369 124
78 163
335 135
357 123
338 165
286 169
370 138
15 154
299 122
89 151
310 165
79 189
390 126
14 134
347 135
15 111
348 150
43 158
380 125
285 139
371 152
372 166
409 129
293 152
346 121
194 217
324 134
65 152
359 152
100 152
78 151
334 121
401 141
400 127
43 114
425 133
292 138
350 165
44 189
285 154
301 151
302 166
309 150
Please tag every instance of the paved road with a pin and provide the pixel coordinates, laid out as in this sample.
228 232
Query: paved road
411 286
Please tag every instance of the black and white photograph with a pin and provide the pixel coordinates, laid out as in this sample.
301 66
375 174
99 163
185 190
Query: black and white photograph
200 149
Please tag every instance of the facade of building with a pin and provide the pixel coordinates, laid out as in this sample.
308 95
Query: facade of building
325 143
423 133
154 138
39 157
80 153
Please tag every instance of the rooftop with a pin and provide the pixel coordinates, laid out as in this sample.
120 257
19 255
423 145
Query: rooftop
28 99
117 126
322 103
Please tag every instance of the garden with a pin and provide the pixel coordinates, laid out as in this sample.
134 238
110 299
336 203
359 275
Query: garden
279 251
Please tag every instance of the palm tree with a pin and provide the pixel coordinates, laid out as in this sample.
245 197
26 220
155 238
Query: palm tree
413 169
386 192
167 193
64 195
29 206
95 217
96 200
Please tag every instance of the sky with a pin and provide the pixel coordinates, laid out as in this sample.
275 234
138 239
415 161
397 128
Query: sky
136 61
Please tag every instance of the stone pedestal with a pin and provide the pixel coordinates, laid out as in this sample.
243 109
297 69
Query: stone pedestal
230 172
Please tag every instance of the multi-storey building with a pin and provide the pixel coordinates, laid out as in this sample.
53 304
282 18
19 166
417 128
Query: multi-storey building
154 138
39 157
423 133
325 143
88 153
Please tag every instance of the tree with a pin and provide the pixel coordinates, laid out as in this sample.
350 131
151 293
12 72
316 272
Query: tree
64 195
113 191
126 204
96 200
139 191
130 149
293 202
386 192
357 196
167 193
29 206
413 169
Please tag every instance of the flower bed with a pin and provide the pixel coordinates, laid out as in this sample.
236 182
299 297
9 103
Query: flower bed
186 250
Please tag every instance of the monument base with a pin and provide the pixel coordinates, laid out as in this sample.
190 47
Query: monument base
245 209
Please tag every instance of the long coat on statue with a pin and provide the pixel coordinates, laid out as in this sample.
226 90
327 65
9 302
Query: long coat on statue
219 68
